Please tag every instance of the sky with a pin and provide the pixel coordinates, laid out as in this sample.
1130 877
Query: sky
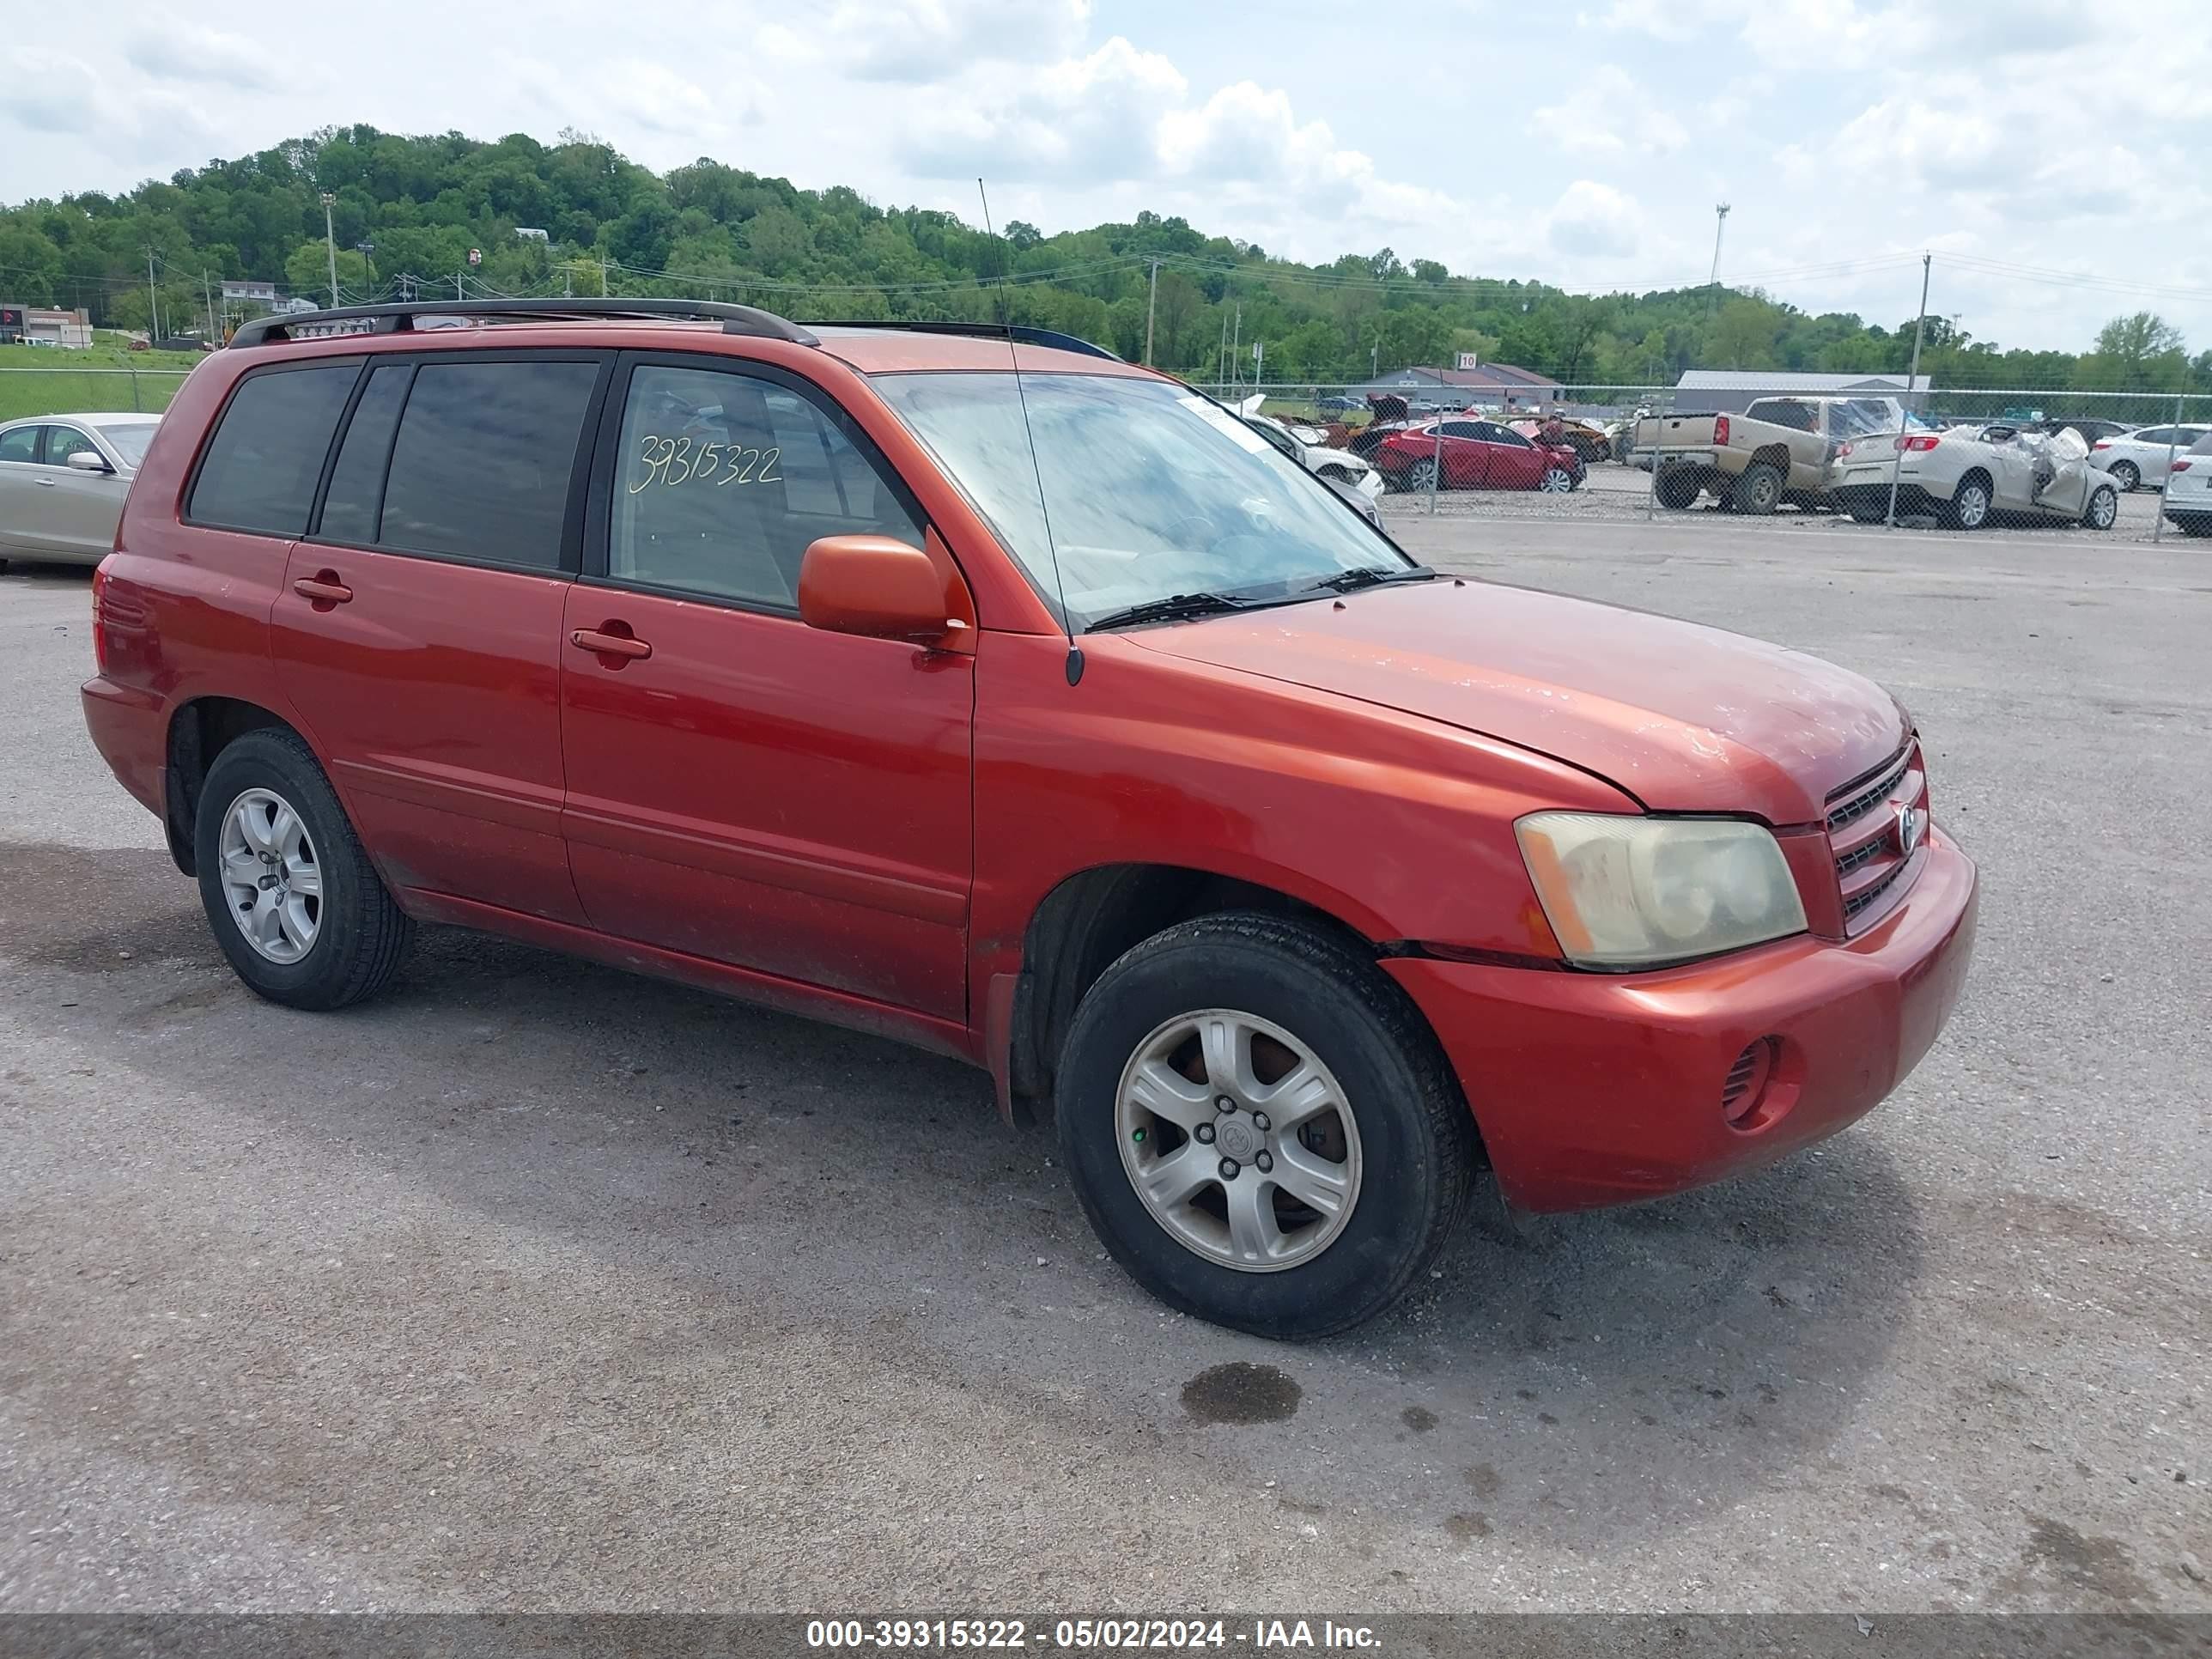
2041 150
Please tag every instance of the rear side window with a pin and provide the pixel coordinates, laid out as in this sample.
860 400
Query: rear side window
356 492
266 457
20 443
1797 416
481 466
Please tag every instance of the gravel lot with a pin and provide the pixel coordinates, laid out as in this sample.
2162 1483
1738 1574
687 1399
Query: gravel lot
534 1284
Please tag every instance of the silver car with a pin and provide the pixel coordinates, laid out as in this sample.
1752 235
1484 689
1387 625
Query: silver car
62 478
1969 477
2139 457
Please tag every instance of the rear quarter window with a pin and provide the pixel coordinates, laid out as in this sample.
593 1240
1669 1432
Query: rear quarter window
266 457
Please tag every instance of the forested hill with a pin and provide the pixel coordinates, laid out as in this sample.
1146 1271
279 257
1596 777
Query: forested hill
711 230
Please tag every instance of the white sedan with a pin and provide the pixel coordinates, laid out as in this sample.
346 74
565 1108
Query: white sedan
2139 457
1968 476
1305 445
62 478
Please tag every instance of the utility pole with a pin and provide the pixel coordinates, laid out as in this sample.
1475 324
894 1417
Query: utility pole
1221 358
1151 299
458 294
1911 387
1236 345
153 304
207 293
1720 224
330 245
603 279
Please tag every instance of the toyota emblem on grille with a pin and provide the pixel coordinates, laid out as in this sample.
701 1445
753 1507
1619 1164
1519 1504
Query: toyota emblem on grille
1910 824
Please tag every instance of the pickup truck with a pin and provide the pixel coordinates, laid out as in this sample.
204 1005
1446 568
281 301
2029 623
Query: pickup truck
1777 451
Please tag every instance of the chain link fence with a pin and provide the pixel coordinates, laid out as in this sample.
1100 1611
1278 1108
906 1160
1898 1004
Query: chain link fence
25 391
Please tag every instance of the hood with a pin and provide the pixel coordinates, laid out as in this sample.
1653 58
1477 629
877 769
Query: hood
1685 719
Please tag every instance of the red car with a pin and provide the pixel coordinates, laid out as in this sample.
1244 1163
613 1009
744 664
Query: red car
1477 454
1295 882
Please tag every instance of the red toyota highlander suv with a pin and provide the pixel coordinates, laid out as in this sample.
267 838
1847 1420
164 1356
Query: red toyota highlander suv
977 688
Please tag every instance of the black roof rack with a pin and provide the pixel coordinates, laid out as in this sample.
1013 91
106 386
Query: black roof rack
400 318
1021 331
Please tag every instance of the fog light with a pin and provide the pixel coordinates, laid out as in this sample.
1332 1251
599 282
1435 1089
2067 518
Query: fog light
1744 1090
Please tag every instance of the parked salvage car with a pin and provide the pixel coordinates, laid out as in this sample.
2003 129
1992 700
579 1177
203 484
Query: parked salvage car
1586 440
2138 458
2188 504
1775 453
1476 455
1057 723
62 478
1969 478
1313 452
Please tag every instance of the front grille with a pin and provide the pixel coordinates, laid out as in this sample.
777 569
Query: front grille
1866 836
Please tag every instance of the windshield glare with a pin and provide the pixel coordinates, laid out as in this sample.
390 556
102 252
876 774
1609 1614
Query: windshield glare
130 442
1151 489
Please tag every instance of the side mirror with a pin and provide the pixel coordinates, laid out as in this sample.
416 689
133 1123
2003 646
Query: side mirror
875 586
87 460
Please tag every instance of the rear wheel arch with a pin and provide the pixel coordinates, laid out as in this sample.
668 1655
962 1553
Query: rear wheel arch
199 730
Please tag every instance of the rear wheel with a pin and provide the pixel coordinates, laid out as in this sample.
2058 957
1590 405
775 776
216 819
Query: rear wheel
1760 490
1676 487
2126 474
2104 511
1969 507
1260 1127
1422 474
293 900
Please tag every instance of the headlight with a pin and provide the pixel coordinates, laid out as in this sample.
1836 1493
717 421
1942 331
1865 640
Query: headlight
1626 892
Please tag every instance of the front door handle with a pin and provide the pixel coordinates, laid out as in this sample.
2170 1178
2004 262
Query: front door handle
624 646
45 484
325 588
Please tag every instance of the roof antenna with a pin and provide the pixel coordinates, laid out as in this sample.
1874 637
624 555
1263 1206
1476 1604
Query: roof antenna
1044 508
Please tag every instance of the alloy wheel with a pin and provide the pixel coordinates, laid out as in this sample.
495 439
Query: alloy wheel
1239 1141
272 877
1556 481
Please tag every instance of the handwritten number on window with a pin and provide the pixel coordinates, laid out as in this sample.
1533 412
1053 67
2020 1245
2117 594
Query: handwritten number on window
672 461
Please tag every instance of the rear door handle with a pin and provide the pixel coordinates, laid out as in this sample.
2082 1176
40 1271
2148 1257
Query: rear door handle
610 645
325 588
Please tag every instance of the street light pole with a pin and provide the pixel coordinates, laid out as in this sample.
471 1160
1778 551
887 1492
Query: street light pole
330 245
1720 224
1151 299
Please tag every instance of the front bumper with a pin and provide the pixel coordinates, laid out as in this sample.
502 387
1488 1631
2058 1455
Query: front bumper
1593 1089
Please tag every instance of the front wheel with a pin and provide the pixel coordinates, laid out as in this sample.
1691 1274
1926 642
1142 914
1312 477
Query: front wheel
1556 481
1260 1127
1758 490
293 900
2104 508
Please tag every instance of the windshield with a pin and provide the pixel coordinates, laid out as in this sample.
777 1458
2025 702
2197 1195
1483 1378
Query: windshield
1152 490
129 441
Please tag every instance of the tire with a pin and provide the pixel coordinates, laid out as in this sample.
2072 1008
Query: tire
2126 474
1676 489
335 947
1422 474
1556 481
1867 514
2104 509
1759 489
1398 1137
1969 506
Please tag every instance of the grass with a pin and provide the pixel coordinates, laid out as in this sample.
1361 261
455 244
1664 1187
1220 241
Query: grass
35 381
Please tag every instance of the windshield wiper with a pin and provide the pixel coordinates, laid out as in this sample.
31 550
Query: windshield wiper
1173 608
1347 581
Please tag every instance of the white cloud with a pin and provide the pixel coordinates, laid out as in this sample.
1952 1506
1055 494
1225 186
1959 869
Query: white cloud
213 58
1606 111
1595 220
886 41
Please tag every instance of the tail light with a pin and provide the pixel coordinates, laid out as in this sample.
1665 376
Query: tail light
1920 445
2102 443
2181 466
1720 429
99 625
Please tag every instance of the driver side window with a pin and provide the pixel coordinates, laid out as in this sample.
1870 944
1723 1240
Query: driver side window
63 441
